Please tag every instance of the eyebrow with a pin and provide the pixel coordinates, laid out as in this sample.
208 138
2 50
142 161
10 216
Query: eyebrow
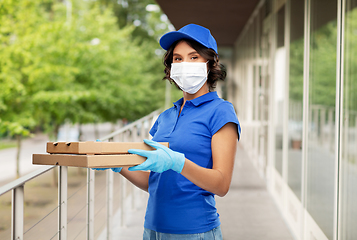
194 52
191 53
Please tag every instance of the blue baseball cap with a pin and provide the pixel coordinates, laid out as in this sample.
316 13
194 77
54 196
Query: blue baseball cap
191 31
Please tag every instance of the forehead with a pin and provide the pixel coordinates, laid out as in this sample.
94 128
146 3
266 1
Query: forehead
183 47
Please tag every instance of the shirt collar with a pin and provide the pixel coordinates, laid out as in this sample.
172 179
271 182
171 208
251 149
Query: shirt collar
200 100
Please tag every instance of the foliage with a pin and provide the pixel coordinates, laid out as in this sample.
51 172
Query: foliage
7 144
296 74
323 65
61 62
350 70
322 78
145 15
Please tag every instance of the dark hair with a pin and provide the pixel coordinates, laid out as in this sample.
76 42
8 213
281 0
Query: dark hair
216 70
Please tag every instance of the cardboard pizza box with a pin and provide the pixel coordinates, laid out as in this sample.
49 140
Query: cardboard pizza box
96 147
88 161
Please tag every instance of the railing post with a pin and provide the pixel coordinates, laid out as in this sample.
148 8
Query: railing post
110 176
17 228
122 201
62 202
135 138
123 188
143 130
90 204
110 186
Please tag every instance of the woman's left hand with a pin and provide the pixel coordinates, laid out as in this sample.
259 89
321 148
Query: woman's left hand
159 160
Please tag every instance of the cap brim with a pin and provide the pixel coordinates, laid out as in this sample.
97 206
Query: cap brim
169 38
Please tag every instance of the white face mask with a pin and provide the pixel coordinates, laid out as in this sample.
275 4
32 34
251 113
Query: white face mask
189 76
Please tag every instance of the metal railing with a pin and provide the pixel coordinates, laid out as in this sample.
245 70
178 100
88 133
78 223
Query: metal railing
135 131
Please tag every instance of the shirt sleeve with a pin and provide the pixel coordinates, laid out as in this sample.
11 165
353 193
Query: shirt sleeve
223 114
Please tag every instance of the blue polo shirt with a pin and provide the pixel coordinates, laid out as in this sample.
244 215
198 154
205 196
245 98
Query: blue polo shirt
175 204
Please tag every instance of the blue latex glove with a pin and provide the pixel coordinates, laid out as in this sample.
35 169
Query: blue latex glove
159 160
113 169
100 169
118 169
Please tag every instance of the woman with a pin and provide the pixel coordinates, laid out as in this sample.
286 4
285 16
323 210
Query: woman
202 131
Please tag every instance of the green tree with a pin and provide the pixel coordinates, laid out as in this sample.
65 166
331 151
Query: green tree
16 107
350 66
322 67
72 63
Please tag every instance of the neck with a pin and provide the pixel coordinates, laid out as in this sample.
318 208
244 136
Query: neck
187 97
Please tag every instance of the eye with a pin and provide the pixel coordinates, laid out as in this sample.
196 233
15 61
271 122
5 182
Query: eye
177 59
194 57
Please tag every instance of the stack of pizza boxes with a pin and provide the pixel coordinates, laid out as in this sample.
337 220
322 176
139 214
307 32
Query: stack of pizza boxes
92 154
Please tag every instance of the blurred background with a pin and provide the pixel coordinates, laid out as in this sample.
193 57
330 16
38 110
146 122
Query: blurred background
68 65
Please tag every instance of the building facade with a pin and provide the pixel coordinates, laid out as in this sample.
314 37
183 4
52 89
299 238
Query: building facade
294 87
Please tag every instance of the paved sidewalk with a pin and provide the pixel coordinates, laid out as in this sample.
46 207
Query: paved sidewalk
247 212
30 146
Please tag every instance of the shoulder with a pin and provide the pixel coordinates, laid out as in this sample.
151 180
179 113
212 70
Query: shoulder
220 105
167 113
222 113
163 117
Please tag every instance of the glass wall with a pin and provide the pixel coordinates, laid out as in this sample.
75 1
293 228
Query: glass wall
321 124
315 106
296 89
348 174
279 91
